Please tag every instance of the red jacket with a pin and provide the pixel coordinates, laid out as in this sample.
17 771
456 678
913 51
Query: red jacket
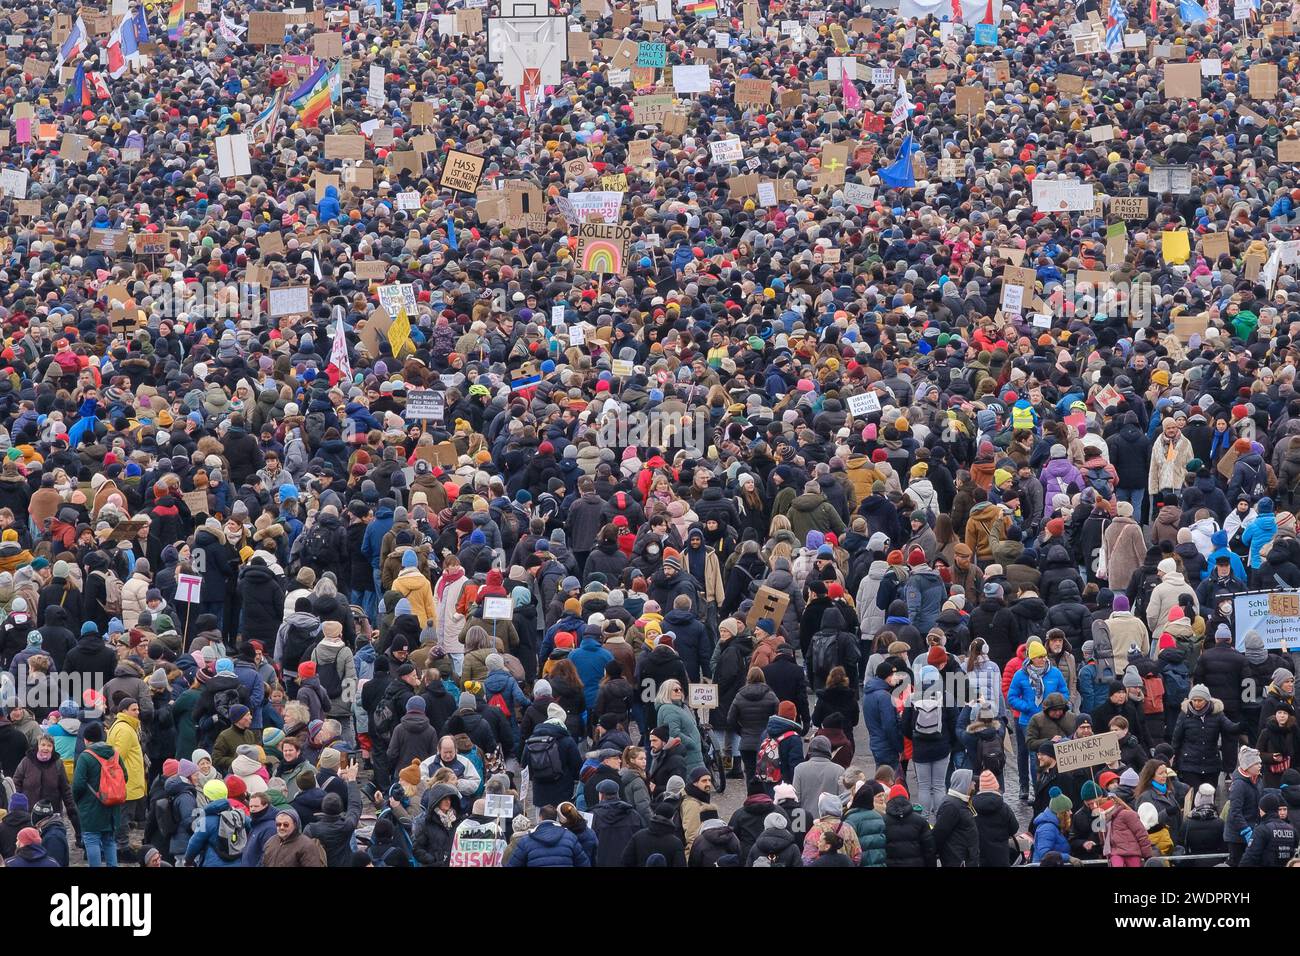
1009 672
1125 834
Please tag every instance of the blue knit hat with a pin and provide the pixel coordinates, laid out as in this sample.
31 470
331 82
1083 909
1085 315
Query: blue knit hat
410 559
225 666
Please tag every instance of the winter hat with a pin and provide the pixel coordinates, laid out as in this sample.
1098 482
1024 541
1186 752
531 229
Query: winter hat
897 790
992 590
410 559
1221 633
1120 603
1035 650
415 704
542 688
775 821
1204 796
1200 692
988 782
1166 642
916 557
1131 678
215 790
1149 815
468 701
1059 802
784 791
225 666
1090 791
306 670
828 805
1247 757
1280 676
1167 566
238 711
787 710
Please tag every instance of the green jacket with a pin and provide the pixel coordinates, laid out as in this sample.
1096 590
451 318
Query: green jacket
183 716
95 817
681 724
870 828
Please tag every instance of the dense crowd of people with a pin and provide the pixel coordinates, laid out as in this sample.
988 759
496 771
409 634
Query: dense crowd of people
836 477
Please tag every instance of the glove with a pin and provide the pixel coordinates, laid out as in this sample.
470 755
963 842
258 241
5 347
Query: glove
1247 833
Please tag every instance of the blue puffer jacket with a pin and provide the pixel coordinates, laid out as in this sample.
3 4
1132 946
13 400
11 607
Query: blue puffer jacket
328 209
925 594
1020 696
1260 531
203 845
1048 837
590 659
1092 689
500 682
881 718
549 845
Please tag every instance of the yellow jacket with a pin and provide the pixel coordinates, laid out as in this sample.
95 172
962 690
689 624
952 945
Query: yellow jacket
124 737
415 587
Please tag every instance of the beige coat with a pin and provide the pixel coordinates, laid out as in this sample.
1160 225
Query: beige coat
1168 472
1125 549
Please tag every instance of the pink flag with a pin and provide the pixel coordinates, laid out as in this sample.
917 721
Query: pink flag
852 101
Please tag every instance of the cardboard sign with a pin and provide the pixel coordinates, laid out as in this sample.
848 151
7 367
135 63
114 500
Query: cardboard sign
1129 207
1187 325
1263 81
1182 81
753 93
651 108
970 101
107 240
370 269
1215 244
345 146
424 114
266 29
152 244
1069 83
769 602
1087 751
270 243
1288 151
461 172
327 46
196 501
525 206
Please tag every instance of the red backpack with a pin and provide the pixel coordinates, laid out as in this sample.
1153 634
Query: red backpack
1153 694
498 701
112 780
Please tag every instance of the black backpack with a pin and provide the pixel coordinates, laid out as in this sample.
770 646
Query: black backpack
298 645
385 717
542 758
331 681
164 815
990 756
824 652
222 701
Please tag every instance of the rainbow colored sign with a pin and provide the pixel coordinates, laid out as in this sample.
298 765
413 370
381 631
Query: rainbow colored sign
602 247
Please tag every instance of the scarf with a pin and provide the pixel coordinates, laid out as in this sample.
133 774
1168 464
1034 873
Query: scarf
1036 681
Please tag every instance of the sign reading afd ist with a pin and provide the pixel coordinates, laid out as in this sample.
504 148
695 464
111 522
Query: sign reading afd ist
1274 615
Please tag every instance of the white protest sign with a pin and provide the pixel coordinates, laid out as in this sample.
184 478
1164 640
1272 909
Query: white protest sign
288 300
1013 297
498 804
557 314
767 193
703 696
188 587
13 182
863 404
691 78
232 156
375 90
409 200
727 150
498 609
394 297
1062 195
1273 615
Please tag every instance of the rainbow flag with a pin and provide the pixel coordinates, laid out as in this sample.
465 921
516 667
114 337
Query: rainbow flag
705 8
176 21
317 94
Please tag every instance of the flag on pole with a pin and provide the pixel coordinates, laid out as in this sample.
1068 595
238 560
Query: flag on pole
98 84
419 31
74 45
1116 21
852 99
230 31
399 333
116 58
76 89
317 94
128 29
902 104
264 125
339 353
1189 11
141 25
176 21
899 175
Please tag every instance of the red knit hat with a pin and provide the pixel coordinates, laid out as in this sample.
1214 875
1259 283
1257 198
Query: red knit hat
1167 642
306 670
1240 411
916 557
1241 446
938 657
878 455
894 557
1056 527
897 790
787 710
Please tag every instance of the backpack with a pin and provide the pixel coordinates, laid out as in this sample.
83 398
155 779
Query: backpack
929 719
1177 684
768 765
298 644
331 681
112 603
1103 651
222 701
316 546
498 701
112 780
542 758
385 716
823 655
1099 480
164 815
1153 694
232 837
990 756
